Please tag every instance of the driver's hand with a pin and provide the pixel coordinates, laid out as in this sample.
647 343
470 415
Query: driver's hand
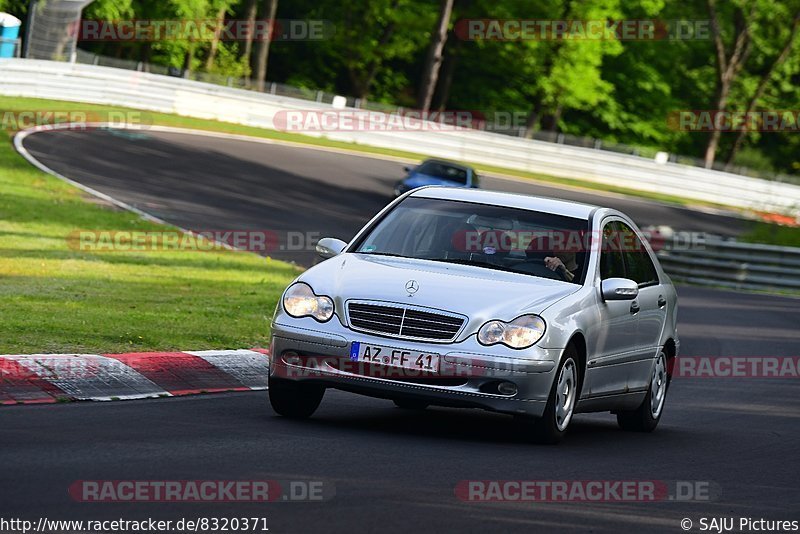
553 263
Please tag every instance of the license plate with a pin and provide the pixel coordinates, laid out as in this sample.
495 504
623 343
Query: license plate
392 357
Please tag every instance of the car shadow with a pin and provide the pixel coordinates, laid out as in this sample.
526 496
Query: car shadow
452 424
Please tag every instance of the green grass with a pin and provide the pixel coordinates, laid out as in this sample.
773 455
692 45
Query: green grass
773 234
57 299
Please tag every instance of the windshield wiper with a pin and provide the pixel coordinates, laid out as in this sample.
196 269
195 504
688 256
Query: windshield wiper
486 265
390 254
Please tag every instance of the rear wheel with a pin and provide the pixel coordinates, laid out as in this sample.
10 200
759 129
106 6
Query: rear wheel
297 400
646 417
410 404
552 426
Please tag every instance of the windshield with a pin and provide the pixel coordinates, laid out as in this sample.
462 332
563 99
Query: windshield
491 237
443 171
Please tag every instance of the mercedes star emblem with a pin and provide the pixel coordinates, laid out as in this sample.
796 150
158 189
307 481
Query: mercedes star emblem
412 286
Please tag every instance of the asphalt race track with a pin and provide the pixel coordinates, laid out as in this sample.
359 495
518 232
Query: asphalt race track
394 470
208 183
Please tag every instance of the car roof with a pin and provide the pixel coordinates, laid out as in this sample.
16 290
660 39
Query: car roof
448 163
511 200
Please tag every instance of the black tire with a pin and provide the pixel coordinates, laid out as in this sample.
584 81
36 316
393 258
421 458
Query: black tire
410 404
643 419
297 400
546 429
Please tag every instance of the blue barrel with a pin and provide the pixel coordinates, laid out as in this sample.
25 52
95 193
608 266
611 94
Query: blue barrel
9 32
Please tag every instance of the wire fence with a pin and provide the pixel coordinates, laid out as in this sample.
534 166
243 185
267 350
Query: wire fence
49 31
280 89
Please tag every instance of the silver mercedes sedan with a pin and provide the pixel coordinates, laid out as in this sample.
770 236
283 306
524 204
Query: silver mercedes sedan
533 307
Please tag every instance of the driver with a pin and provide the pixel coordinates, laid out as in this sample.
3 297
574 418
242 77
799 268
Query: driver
564 263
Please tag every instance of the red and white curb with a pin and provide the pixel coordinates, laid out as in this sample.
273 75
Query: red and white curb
46 378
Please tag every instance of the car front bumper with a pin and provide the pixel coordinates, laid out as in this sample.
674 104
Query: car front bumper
305 350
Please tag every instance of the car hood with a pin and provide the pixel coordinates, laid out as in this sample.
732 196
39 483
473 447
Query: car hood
420 180
479 293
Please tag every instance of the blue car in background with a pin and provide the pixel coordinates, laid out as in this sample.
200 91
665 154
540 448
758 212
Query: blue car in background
437 172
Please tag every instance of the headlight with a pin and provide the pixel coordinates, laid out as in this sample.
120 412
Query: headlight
520 333
300 301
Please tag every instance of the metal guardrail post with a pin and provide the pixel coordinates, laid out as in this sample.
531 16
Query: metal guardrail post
29 25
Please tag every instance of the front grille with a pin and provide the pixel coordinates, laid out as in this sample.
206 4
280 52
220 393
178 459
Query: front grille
404 321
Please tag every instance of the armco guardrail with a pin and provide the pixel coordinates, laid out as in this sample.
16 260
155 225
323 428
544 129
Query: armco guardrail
733 264
105 85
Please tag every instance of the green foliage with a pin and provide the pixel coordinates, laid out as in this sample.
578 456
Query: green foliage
18 8
773 234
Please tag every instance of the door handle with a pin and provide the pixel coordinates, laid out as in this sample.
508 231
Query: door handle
635 307
661 301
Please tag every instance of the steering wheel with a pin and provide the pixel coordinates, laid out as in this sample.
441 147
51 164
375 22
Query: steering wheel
542 270
561 271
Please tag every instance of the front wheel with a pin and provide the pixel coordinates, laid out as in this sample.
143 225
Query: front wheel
297 400
646 417
552 427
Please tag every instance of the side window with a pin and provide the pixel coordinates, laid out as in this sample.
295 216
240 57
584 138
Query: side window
611 263
640 267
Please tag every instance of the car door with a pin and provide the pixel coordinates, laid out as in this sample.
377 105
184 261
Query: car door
614 334
652 301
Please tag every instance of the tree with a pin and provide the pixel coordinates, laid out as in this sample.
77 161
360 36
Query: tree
18 8
375 45
729 64
212 53
568 73
434 60
251 11
447 74
270 10
763 83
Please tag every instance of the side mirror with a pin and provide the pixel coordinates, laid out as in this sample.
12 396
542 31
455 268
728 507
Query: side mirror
328 247
619 289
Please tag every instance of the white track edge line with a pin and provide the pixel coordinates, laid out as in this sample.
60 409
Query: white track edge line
19 139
